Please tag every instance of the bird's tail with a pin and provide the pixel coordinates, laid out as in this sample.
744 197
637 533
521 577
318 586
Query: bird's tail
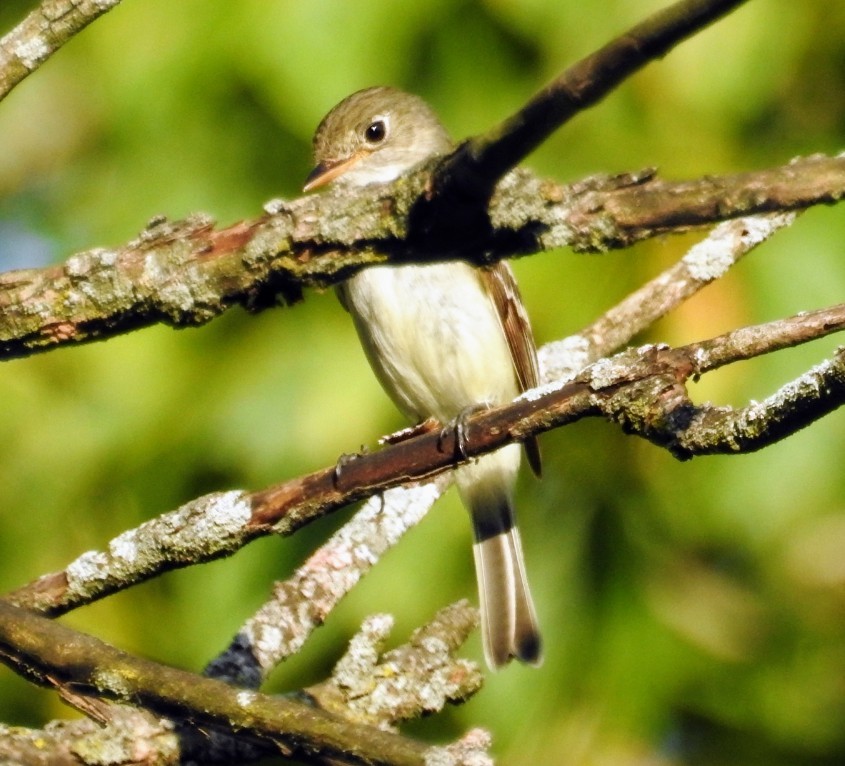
508 620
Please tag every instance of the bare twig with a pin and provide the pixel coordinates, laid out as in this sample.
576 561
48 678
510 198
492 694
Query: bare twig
186 273
41 34
748 342
484 159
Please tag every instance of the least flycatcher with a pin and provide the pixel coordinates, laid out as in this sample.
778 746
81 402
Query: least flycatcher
442 338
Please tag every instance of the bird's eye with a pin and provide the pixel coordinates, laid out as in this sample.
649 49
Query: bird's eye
375 132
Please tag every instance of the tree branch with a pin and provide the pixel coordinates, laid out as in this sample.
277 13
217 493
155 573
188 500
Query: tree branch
41 34
482 161
705 262
130 738
282 625
186 273
366 686
642 390
78 664
218 524
301 603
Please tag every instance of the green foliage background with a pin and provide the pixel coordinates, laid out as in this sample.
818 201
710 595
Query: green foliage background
694 613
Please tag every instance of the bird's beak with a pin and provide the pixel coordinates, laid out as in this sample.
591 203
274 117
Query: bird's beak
327 171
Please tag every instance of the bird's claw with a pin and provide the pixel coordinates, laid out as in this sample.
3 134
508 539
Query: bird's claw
460 427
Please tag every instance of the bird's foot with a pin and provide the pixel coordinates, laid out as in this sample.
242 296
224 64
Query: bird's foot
460 427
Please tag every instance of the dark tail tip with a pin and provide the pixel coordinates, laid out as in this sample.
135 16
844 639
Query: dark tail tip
529 649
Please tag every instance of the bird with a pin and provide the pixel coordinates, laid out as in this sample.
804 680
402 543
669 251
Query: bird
443 338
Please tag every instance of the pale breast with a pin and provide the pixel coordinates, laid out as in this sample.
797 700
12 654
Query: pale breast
432 336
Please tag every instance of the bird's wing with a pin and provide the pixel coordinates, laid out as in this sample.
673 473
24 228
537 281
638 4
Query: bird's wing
502 287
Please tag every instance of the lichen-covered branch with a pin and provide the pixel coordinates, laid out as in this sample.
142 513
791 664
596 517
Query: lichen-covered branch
369 686
393 684
796 405
41 34
705 262
209 527
416 679
61 658
301 603
280 628
220 523
642 389
131 737
186 273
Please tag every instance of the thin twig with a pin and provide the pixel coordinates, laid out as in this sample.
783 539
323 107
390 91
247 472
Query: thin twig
486 158
748 342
